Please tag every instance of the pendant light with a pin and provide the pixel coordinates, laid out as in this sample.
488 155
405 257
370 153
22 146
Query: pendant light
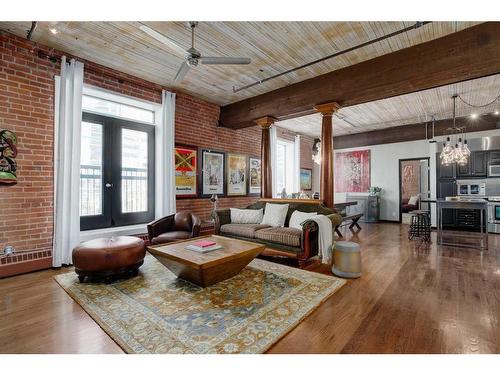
460 152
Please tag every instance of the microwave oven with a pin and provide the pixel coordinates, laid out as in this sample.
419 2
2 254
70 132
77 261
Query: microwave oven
471 187
494 170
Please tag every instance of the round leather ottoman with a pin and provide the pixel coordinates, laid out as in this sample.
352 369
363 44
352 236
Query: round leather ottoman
109 258
346 259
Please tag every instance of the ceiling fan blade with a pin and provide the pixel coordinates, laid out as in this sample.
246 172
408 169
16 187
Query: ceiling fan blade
163 39
225 60
181 72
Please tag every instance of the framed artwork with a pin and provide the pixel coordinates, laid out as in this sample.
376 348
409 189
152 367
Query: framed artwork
8 153
212 170
352 171
236 174
186 177
305 179
254 176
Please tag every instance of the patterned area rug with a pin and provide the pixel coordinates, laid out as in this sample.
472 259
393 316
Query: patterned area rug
157 313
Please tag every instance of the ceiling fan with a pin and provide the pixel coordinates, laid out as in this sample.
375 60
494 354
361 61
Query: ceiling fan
192 55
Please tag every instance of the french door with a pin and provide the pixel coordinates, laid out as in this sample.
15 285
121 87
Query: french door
116 172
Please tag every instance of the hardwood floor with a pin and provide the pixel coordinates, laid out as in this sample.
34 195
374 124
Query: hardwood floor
413 297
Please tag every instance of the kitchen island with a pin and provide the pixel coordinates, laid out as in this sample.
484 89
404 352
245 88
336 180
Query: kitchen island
463 239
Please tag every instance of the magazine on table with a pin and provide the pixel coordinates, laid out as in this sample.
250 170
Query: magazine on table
204 246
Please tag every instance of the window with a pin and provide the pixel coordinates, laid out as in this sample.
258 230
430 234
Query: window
115 109
285 170
116 172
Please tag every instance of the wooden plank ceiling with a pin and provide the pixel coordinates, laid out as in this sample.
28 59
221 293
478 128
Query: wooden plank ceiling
273 47
405 109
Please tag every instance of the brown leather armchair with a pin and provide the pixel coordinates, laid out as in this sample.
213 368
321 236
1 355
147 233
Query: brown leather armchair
175 227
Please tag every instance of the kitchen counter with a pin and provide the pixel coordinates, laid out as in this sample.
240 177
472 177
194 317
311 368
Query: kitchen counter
464 239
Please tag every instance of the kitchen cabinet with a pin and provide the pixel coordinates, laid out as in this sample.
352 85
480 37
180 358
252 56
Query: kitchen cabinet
447 188
444 171
479 163
494 156
476 166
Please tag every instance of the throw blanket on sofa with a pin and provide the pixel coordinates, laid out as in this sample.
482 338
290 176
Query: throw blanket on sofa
325 237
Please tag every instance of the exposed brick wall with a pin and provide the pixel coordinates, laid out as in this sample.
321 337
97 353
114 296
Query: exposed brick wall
27 107
196 124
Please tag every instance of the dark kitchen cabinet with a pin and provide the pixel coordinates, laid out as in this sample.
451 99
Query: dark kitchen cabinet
495 157
479 163
447 188
443 171
476 166
464 171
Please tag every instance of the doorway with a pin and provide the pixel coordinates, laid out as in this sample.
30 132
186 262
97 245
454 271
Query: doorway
414 186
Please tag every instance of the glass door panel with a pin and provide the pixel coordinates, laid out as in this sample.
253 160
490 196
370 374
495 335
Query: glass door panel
134 171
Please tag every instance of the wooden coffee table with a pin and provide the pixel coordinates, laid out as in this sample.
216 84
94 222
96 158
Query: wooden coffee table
209 268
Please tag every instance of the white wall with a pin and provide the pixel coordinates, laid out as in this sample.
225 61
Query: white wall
315 177
385 169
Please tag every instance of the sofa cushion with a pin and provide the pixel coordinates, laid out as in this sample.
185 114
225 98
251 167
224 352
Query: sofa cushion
298 217
283 236
241 230
413 200
239 216
275 214
175 235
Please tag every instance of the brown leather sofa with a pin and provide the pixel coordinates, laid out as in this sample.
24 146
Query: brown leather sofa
175 227
300 244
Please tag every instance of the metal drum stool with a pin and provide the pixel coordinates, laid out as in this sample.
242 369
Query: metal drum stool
420 226
346 259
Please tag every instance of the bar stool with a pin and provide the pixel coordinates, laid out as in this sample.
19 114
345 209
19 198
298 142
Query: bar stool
420 226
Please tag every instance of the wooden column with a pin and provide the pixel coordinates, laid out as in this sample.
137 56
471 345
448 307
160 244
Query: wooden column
265 154
326 168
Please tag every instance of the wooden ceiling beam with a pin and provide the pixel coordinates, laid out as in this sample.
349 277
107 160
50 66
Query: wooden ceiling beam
468 54
414 132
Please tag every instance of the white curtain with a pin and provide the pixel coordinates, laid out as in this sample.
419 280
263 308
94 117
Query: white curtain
165 158
273 140
68 121
296 165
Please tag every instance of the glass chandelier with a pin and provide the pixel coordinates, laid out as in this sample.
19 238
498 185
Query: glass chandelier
459 153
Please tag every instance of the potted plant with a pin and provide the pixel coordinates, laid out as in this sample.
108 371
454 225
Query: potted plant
374 190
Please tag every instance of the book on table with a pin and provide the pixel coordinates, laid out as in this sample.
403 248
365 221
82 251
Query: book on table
203 246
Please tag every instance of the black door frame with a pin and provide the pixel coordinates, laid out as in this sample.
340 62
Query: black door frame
400 180
111 215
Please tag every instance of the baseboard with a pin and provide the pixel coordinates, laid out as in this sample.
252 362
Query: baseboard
11 269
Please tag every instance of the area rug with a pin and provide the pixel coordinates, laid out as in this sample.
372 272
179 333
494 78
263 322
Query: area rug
156 312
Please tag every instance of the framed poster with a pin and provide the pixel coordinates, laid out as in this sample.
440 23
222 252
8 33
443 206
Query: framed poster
254 176
352 171
212 173
236 174
186 178
305 179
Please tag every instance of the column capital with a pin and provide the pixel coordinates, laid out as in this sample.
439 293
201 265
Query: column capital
327 109
265 122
